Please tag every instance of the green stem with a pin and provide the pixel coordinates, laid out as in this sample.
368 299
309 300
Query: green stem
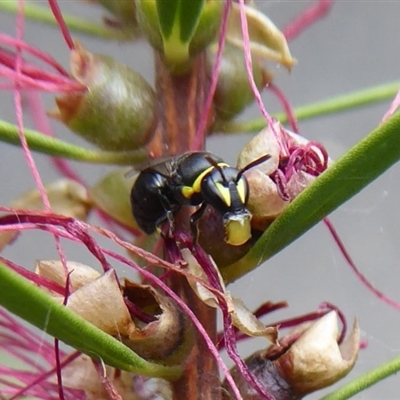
58 148
365 381
337 104
76 24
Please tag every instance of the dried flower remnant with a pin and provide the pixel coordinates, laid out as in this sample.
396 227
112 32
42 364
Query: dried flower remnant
163 333
311 359
66 197
293 165
81 374
148 322
119 109
242 318
78 274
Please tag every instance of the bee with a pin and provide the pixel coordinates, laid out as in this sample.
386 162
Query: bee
193 179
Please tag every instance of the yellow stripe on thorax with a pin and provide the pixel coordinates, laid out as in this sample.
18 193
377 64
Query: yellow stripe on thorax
189 191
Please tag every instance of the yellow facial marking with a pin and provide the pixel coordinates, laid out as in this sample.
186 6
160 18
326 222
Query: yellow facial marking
241 188
238 230
224 193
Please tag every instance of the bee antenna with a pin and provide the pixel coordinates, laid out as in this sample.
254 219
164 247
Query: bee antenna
218 167
253 164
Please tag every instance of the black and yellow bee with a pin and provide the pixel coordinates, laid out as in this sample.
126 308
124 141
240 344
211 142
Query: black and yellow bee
196 179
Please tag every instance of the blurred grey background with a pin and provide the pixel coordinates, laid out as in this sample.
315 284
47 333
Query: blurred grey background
356 46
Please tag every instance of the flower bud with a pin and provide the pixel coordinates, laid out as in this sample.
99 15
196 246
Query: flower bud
173 37
233 92
313 361
118 112
123 11
267 42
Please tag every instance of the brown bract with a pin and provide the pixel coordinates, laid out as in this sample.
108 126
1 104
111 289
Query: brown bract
145 320
313 361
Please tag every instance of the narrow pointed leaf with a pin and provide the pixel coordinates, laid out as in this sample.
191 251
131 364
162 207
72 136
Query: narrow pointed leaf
179 16
189 14
167 14
362 164
178 20
26 300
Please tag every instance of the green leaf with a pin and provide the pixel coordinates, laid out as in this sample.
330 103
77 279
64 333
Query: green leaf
26 300
178 22
179 16
362 164
189 15
167 14
58 148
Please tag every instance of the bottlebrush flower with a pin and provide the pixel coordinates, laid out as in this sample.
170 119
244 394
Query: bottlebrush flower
293 164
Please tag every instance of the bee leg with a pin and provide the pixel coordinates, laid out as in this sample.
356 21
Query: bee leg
193 222
169 213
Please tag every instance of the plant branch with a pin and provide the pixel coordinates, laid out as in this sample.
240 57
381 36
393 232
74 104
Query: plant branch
74 23
334 105
58 148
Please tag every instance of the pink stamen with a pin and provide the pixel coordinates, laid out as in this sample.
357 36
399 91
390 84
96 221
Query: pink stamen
27 153
61 394
380 295
20 44
393 107
249 69
26 82
30 70
41 122
286 106
307 18
201 130
77 230
61 23
229 333
105 381
44 376
33 277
